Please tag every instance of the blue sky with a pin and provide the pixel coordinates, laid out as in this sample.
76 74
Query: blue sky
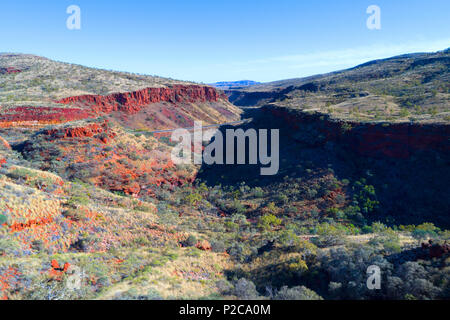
208 41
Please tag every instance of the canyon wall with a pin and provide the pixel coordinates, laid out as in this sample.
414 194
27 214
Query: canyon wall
128 103
132 102
378 140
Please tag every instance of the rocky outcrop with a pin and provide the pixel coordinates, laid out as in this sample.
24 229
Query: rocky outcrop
9 70
391 140
427 251
89 130
203 245
132 102
435 250
17 227
57 271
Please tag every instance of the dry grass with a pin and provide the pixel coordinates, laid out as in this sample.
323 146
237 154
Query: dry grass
191 275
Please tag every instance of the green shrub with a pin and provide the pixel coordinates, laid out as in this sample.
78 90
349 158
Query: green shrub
268 221
193 199
365 196
258 192
329 235
425 230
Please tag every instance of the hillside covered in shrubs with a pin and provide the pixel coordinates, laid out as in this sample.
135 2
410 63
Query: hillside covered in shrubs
92 206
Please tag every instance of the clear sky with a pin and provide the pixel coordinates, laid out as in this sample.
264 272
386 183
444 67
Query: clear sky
208 41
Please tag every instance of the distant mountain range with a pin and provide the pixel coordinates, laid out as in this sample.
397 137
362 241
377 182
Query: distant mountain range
224 85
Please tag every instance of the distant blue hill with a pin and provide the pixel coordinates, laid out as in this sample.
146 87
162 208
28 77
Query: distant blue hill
234 84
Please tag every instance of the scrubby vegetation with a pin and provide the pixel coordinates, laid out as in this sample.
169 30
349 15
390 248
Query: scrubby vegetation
405 88
308 236
95 209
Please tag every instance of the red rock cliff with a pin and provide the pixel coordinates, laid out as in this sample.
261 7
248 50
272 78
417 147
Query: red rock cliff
79 132
395 140
132 102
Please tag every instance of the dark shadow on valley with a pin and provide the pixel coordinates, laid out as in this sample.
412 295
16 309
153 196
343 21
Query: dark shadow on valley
410 191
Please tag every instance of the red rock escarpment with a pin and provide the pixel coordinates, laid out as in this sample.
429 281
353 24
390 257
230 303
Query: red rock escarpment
395 140
79 132
131 102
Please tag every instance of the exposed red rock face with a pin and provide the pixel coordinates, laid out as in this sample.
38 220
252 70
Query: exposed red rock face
438 251
56 271
16 227
203 245
132 188
9 70
131 102
396 140
399 140
79 132
40 114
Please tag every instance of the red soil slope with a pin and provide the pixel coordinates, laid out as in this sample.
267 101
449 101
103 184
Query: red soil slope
27 115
